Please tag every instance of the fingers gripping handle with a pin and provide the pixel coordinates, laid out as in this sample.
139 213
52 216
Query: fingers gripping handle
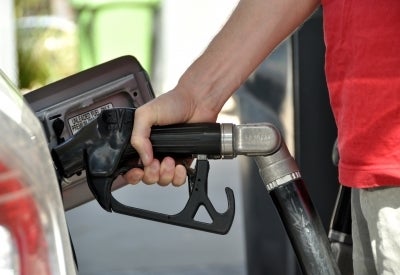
103 149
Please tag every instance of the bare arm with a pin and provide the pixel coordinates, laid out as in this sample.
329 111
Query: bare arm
254 29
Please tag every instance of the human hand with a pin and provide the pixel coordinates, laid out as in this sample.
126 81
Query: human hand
170 108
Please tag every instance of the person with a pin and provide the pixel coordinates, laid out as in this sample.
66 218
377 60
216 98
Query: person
363 76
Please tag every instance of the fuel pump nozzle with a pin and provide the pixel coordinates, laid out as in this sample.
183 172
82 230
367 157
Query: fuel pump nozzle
103 149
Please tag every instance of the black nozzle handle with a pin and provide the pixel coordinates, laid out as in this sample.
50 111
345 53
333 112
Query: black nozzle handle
110 133
197 138
183 141
68 157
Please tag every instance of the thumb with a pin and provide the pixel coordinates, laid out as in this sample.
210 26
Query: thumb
140 138
169 108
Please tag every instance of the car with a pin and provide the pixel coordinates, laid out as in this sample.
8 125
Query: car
33 231
33 197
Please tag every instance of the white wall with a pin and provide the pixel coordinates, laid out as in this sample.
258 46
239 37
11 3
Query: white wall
185 29
8 54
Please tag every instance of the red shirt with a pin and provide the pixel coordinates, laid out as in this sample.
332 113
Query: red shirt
363 74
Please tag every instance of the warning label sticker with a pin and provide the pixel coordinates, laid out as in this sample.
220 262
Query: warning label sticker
79 121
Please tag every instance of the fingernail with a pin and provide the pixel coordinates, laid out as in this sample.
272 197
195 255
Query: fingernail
135 179
170 164
154 166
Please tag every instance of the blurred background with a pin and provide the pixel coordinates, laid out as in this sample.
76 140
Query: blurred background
47 40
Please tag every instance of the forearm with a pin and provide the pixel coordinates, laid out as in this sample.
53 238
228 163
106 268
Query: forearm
255 28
